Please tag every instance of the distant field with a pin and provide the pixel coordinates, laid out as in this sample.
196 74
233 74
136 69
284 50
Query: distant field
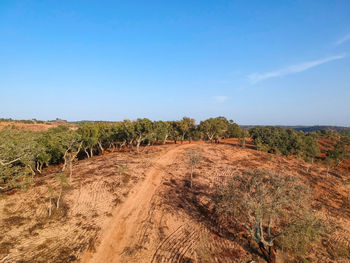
34 126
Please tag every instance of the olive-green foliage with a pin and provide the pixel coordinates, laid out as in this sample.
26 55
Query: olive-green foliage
143 130
56 141
214 128
89 133
234 131
298 237
127 133
23 152
266 204
339 153
185 126
174 130
161 130
17 157
345 139
288 142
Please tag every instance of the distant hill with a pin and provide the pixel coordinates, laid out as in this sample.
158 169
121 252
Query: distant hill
318 128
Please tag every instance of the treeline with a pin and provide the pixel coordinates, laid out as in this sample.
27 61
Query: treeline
287 142
24 152
303 145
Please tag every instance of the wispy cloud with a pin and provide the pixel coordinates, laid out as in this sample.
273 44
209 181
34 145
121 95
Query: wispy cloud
342 40
257 77
220 99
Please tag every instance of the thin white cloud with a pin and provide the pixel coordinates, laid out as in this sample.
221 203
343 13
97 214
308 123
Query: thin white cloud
220 99
342 40
257 77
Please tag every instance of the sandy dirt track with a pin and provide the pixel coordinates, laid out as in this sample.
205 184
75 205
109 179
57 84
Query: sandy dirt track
129 216
164 220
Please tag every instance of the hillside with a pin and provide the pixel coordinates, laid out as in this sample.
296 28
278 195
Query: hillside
128 207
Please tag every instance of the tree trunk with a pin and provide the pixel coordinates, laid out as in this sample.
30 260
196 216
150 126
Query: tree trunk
38 167
191 176
31 170
91 152
50 207
263 251
101 148
327 170
269 254
130 143
65 161
138 147
113 147
149 143
166 137
58 199
272 255
87 153
70 170
123 144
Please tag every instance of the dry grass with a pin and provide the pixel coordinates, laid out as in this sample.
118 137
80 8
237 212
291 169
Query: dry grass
99 185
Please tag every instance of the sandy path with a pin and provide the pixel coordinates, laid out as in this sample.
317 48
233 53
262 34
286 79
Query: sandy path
121 232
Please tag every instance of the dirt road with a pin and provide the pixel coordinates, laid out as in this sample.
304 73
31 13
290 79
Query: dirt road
122 231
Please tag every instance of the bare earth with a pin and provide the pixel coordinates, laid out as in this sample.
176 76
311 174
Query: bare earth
128 220
148 213
34 126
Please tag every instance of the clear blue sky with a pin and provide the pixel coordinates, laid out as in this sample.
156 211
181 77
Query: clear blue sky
256 62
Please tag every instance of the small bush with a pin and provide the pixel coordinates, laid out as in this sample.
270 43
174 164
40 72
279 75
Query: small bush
299 236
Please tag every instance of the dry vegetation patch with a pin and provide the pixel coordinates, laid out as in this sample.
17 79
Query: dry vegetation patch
195 206
99 184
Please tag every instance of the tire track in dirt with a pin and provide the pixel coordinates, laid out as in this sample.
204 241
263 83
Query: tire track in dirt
176 246
182 243
121 233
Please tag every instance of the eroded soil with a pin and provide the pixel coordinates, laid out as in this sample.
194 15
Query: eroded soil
147 212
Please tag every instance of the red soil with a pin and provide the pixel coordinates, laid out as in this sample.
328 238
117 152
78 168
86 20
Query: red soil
148 212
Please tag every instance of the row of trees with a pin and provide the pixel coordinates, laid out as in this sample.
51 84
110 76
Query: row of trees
303 145
145 132
24 152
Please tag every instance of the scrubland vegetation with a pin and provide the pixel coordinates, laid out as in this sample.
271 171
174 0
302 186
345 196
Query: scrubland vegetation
274 209
24 153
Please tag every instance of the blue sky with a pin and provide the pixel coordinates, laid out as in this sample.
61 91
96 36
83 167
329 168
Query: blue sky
256 62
